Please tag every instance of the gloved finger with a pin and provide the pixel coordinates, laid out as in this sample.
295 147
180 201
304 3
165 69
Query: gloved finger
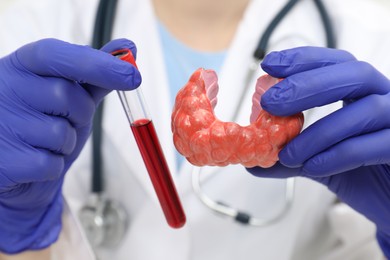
82 135
366 115
118 44
114 45
278 171
32 164
281 64
45 132
364 150
39 195
83 64
58 97
318 87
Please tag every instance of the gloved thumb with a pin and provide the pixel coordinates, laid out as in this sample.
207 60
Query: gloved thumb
114 45
118 44
82 64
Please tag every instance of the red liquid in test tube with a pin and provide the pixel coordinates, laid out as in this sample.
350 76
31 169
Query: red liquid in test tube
152 154
151 151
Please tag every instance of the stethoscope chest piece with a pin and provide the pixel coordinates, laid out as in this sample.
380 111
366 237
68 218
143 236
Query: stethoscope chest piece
105 221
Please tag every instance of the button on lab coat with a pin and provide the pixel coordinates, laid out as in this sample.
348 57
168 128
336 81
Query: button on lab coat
314 228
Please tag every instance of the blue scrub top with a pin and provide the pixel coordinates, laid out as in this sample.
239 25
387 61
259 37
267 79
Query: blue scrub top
181 61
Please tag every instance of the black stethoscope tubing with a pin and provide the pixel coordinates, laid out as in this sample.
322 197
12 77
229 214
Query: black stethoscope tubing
102 32
262 46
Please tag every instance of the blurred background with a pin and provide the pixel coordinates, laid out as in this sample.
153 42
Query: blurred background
4 3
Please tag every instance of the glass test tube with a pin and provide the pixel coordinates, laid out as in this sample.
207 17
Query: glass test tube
145 135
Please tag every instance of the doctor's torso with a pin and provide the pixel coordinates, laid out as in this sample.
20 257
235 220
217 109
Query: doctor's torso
304 233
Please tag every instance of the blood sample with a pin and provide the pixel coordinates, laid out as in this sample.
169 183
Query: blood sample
151 152
145 135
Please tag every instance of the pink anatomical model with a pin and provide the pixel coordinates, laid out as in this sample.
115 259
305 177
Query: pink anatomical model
204 140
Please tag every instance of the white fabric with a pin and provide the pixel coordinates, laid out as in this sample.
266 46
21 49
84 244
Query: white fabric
71 237
311 228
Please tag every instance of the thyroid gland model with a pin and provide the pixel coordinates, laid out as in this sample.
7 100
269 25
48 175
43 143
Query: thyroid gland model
205 140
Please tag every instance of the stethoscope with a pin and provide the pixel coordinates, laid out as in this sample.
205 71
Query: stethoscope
223 208
105 221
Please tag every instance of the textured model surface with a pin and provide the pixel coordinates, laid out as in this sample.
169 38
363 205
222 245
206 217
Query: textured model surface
204 140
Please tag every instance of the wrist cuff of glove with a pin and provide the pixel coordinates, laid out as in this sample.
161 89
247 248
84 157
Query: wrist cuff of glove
16 238
384 243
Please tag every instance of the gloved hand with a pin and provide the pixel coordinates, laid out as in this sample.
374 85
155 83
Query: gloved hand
48 90
348 150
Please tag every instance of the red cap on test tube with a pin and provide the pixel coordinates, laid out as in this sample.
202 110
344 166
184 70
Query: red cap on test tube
145 135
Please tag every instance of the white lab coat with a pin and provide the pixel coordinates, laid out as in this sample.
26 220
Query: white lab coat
314 228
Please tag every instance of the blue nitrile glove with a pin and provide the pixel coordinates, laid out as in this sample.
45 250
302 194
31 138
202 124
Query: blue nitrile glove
48 93
348 150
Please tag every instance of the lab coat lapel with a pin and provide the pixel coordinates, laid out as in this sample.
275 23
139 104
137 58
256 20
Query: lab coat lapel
154 87
239 58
